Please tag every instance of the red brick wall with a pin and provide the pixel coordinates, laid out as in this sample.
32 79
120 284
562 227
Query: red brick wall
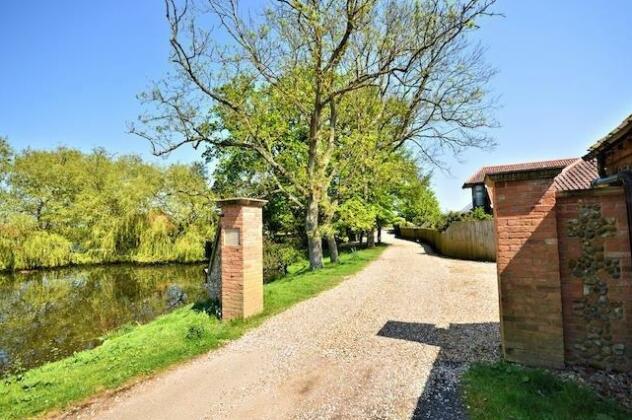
590 339
242 265
528 271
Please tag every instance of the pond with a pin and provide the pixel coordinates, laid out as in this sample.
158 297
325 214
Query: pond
50 314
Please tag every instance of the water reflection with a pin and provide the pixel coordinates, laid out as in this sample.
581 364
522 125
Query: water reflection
48 315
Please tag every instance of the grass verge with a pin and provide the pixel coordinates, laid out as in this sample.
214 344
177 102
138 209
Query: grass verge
135 352
507 391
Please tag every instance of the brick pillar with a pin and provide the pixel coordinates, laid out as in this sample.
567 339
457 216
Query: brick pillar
241 257
528 271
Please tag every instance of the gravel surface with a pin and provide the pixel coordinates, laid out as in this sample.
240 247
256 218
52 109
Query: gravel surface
614 385
387 343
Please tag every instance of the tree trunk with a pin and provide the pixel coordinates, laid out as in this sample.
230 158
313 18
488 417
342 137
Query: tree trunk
314 239
360 237
379 234
370 239
333 248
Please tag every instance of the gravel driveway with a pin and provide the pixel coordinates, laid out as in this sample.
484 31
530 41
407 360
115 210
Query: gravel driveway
387 343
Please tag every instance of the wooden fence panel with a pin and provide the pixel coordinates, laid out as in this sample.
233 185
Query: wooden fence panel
472 240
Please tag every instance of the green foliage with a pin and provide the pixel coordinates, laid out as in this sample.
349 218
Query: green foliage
43 249
456 216
243 173
139 351
356 215
478 213
6 154
388 181
448 218
419 204
378 181
502 391
187 247
317 107
61 207
277 258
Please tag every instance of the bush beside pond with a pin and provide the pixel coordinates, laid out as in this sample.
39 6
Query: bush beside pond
41 249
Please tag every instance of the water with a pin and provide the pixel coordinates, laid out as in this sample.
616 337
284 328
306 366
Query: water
48 315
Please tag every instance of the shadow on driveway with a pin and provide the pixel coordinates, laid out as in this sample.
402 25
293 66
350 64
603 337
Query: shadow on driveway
459 344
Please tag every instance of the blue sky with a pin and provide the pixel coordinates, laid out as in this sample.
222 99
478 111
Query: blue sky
70 71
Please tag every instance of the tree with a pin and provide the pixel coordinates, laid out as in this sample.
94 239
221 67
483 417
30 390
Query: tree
63 206
392 183
184 195
357 215
417 203
46 183
5 158
6 155
313 55
241 172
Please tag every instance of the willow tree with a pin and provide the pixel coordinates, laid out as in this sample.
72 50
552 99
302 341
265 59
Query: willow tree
6 155
312 55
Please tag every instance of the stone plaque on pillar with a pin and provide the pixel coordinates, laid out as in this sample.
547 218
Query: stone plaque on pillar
231 237
241 257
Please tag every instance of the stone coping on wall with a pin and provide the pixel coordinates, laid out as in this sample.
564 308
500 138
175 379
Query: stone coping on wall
242 201
525 175
592 192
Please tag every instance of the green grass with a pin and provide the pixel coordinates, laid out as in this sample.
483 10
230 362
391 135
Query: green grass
507 391
132 353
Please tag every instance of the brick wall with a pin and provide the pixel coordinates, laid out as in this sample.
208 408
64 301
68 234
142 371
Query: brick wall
242 263
595 268
528 271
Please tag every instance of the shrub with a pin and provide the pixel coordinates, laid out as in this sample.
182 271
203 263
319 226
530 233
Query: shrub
277 257
7 259
456 216
43 249
478 213
189 247
195 332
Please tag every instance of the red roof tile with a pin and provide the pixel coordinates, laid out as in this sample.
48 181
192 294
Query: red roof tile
577 176
479 176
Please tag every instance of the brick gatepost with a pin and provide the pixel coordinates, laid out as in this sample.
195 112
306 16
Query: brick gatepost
527 261
241 250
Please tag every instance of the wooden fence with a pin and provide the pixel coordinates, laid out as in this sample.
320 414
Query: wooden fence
473 240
